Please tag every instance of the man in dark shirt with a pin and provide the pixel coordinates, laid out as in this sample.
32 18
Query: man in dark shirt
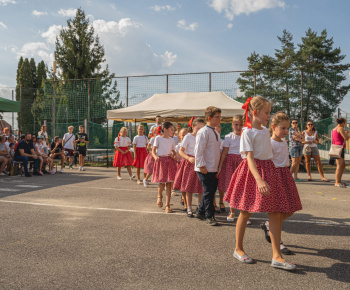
57 151
25 152
81 139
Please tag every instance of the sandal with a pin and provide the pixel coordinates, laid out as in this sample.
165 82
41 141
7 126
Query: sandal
173 193
325 180
160 203
217 210
222 209
168 209
342 185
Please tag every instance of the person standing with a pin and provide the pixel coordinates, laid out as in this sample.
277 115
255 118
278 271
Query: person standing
69 145
81 140
310 140
207 158
339 137
46 143
295 148
158 124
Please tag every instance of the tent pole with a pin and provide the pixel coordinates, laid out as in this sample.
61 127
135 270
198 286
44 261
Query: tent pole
107 143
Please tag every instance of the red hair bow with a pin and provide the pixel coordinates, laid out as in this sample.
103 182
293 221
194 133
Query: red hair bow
245 107
159 130
118 135
191 121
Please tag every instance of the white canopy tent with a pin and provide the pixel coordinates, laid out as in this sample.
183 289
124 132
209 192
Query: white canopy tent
177 107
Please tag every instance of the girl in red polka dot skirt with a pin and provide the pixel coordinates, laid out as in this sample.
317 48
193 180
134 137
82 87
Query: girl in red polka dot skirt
256 185
140 152
229 161
279 126
149 161
165 165
186 178
122 155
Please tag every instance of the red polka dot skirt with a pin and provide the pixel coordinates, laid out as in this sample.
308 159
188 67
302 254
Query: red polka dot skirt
186 178
164 170
229 166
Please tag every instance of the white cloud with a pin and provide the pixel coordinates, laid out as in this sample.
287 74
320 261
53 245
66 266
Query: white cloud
191 27
71 12
233 8
113 6
33 49
229 26
160 8
5 2
3 25
127 52
52 33
38 13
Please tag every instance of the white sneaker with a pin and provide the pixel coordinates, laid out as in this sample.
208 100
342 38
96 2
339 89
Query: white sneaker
118 177
132 177
249 222
61 170
79 169
82 168
2 174
231 220
145 183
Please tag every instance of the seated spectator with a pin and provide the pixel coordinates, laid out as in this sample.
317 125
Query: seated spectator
3 155
57 151
39 149
10 139
25 152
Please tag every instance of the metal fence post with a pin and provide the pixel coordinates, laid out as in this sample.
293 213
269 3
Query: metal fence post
302 97
107 144
167 83
88 116
13 114
209 82
20 112
254 83
54 107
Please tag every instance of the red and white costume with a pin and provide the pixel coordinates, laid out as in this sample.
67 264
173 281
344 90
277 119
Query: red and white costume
231 162
186 178
149 161
121 160
243 193
165 169
141 151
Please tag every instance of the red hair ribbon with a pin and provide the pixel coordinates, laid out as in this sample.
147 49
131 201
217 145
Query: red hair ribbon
159 130
191 121
245 107
118 135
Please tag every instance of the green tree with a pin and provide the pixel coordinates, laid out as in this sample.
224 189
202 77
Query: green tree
79 55
39 104
278 78
26 93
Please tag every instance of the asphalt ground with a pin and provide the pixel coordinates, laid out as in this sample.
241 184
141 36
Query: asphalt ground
88 230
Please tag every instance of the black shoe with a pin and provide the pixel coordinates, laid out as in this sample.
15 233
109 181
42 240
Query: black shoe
222 209
184 209
267 236
27 174
190 214
36 173
199 216
212 221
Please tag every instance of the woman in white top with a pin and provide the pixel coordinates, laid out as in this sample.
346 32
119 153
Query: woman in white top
122 155
310 142
186 178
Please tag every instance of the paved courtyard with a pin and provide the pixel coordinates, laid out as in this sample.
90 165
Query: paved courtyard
88 230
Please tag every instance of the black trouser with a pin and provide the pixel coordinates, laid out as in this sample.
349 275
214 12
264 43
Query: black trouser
210 184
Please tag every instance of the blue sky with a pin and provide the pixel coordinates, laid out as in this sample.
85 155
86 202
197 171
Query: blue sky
165 36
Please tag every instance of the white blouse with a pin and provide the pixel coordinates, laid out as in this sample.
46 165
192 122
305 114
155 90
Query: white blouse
140 141
280 153
189 142
232 141
122 142
164 145
257 141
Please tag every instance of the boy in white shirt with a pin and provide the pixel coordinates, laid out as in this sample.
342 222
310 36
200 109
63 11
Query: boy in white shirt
69 145
207 158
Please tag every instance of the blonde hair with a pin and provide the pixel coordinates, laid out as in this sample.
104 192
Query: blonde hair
140 126
123 129
70 127
182 130
238 118
277 119
256 104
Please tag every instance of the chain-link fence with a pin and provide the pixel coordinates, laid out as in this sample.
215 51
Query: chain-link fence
301 93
